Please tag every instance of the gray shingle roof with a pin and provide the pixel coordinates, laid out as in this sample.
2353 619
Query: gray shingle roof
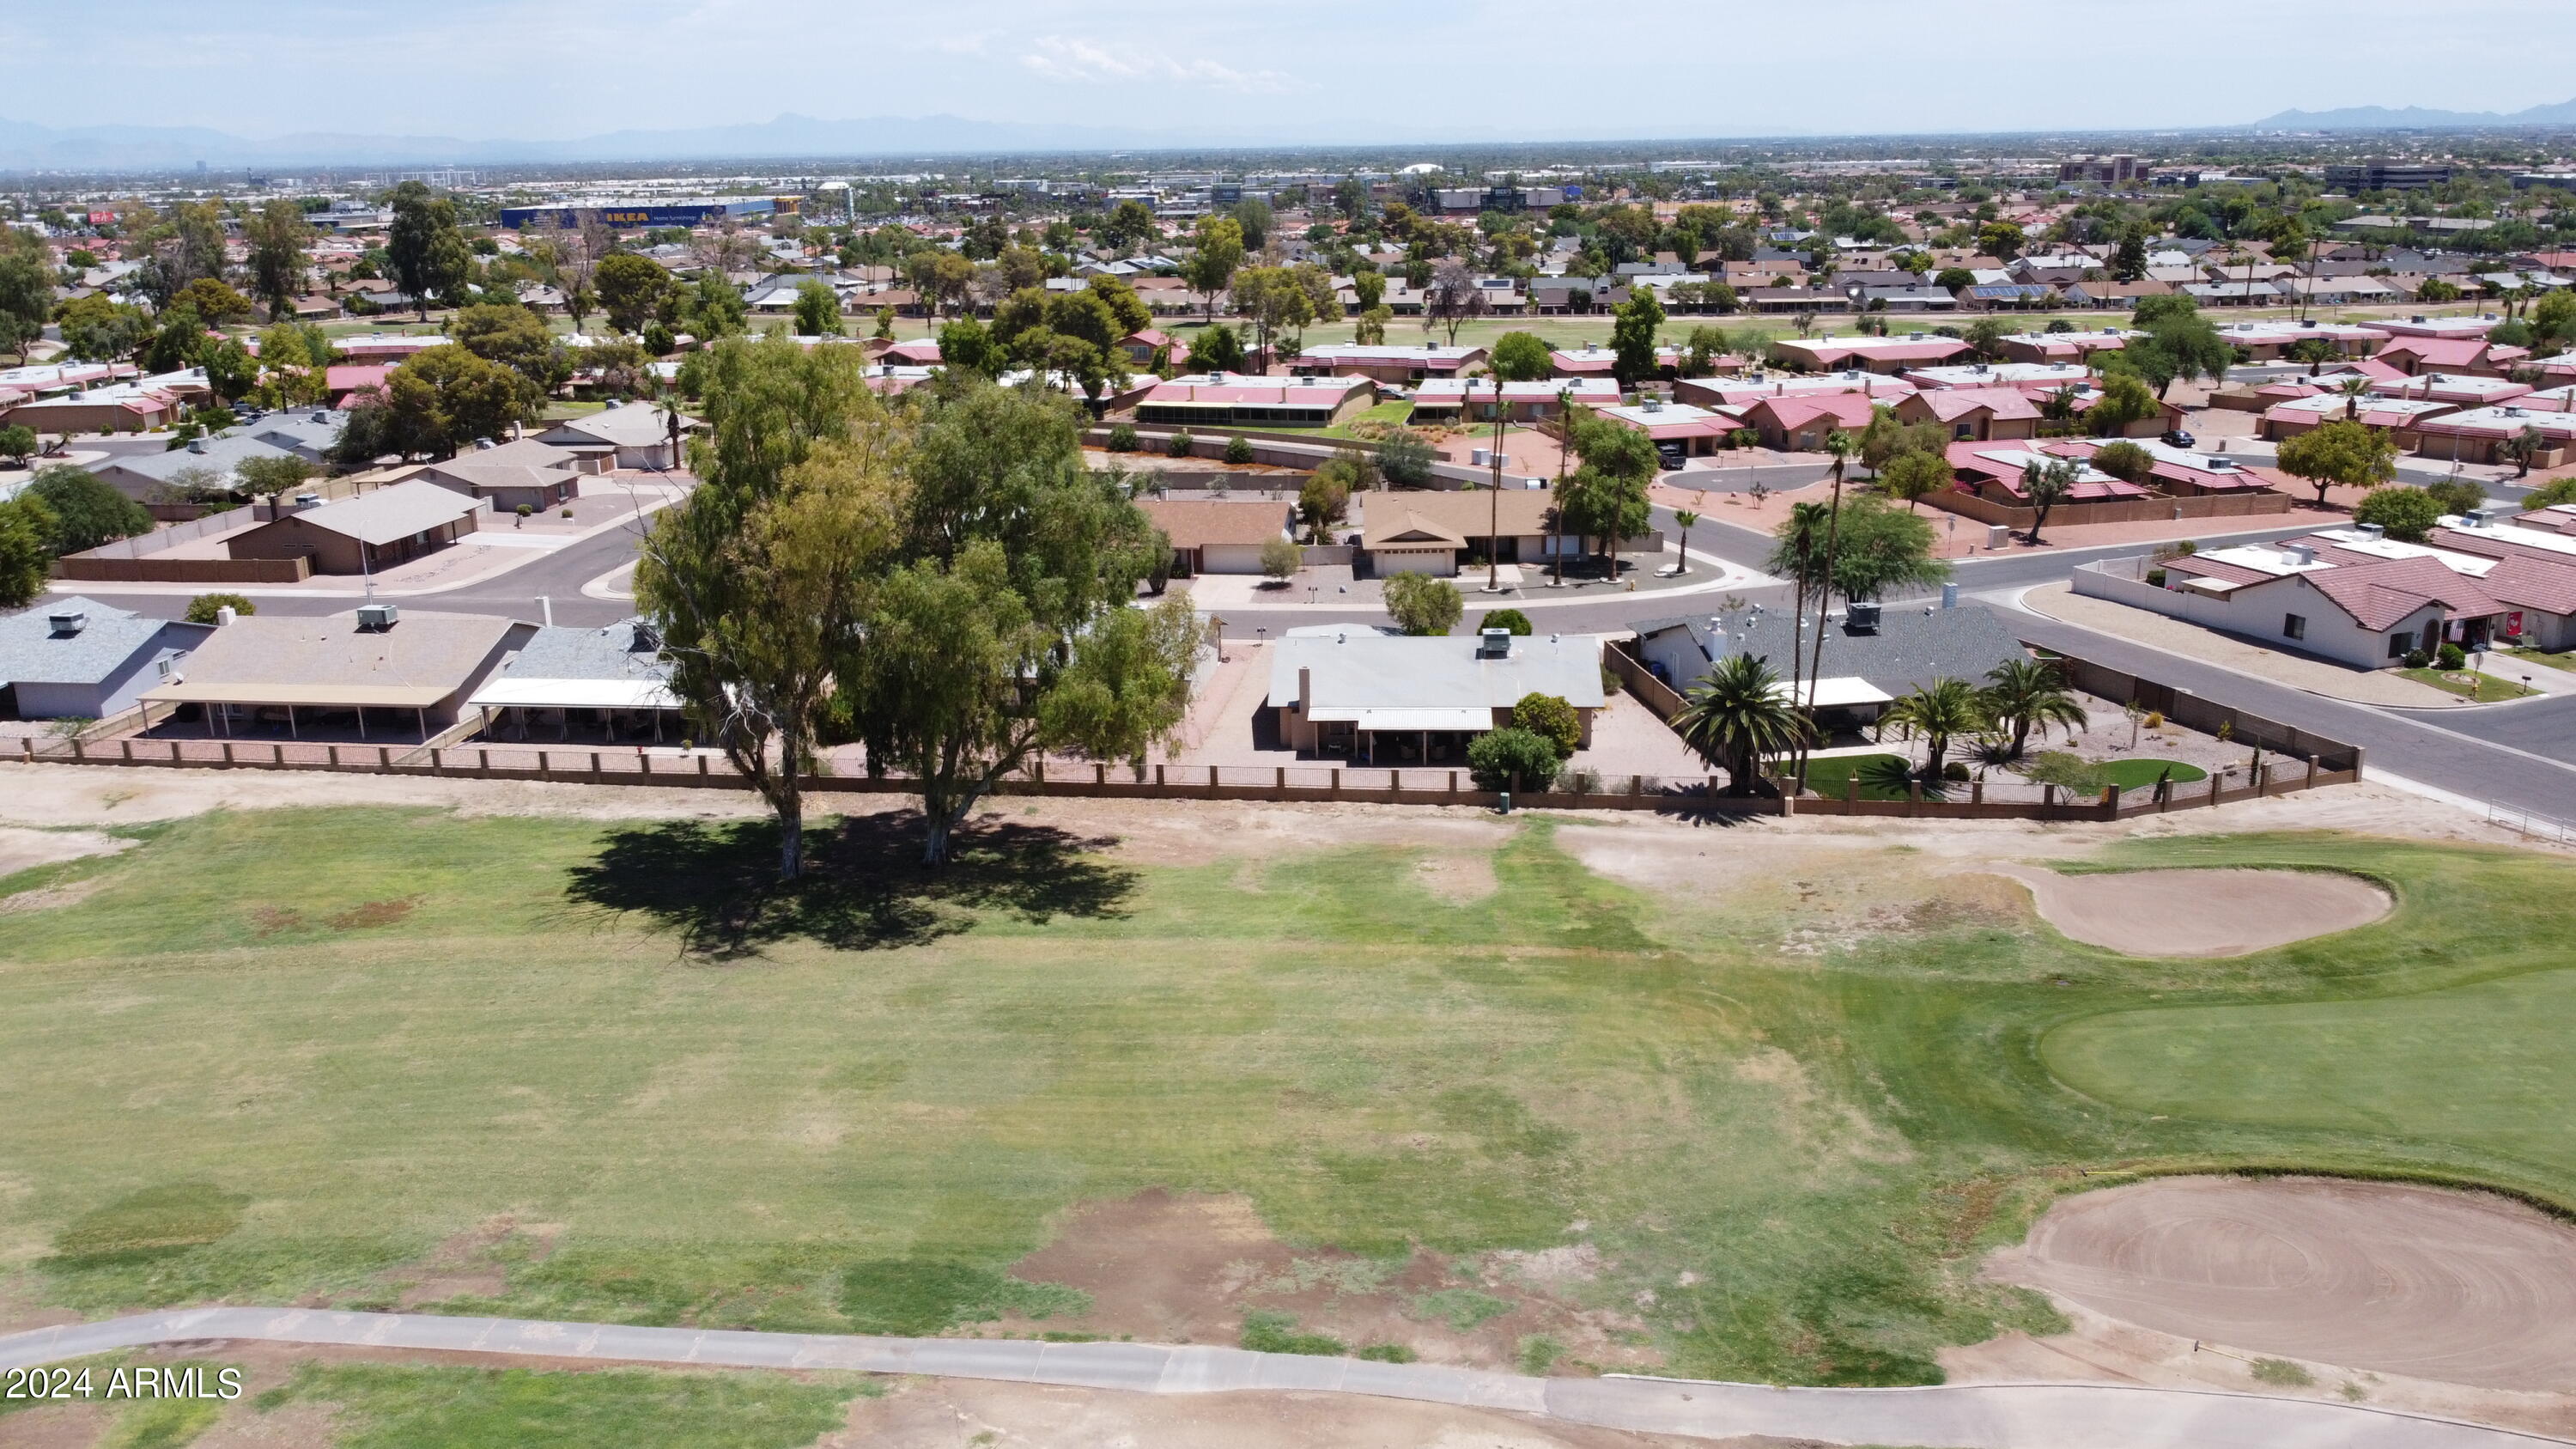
612 652
32 653
221 454
1911 647
386 514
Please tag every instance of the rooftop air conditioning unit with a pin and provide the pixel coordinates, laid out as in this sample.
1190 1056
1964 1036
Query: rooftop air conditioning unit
1494 644
2370 530
1862 618
377 618
321 417
69 622
2298 555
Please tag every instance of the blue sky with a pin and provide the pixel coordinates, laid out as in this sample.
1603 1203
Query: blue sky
1304 69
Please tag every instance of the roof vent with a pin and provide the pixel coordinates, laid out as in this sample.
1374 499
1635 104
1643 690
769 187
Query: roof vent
196 445
377 618
321 417
2371 531
67 623
1493 643
2298 555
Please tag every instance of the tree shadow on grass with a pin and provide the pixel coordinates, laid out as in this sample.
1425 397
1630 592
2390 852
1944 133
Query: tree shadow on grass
714 883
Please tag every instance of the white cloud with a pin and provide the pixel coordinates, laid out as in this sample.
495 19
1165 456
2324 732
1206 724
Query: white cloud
1078 61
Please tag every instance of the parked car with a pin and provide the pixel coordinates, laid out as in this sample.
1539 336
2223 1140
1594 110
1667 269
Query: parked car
2178 439
1673 455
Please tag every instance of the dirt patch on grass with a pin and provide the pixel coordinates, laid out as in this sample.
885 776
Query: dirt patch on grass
1459 879
1183 1268
26 849
474 1263
293 1426
2200 912
275 920
56 1426
46 898
2461 1287
373 913
956 1413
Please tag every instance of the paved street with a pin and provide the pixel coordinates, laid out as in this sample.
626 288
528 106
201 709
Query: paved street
1968 1416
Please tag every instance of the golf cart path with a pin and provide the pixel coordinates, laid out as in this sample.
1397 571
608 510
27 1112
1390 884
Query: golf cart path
1968 1416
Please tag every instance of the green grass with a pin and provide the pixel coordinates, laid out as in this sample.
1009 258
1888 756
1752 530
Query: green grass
2135 773
2469 683
2565 660
386 1407
857 1105
1277 1333
1881 776
2280 1373
1393 413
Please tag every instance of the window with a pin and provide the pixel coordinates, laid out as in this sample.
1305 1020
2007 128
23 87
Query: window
2294 626
2401 643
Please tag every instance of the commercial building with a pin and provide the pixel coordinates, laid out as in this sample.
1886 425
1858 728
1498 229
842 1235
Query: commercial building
2380 174
657 212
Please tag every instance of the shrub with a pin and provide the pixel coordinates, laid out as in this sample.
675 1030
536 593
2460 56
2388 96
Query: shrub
2418 659
2155 578
1495 757
2068 772
1122 438
525 509
2281 1373
1238 449
2406 513
1552 718
1955 770
1422 604
1280 558
1387 1353
201 609
1539 1353
1179 446
1405 459
2154 720
1512 619
2452 656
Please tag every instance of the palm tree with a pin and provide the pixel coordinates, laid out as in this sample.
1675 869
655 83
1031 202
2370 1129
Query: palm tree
1685 518
2026 694
1737 713
1938 711
2353 389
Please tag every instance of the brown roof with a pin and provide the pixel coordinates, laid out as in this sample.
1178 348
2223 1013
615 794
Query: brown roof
2379 595
1456 517
278 659
1200 523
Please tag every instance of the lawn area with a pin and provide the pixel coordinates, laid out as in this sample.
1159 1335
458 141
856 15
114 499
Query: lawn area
2468 683
1393 412
2133 773
2565 660
281 1054
1881 776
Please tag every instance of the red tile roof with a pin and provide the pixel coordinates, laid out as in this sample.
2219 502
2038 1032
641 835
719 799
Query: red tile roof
1951 404
2380 594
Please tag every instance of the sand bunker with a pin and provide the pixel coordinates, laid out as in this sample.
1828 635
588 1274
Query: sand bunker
2458 1286
2200 912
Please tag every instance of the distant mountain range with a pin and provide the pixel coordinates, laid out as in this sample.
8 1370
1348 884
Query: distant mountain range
25 146
2414 118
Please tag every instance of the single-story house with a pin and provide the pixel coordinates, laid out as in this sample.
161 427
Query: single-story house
1412 532
1472 399
374 530
376 673
2346 595
147 477
609 684
1889 355
2270 341
2183 473
1993 472
1223 399
525 473
1355 693
122 408
1729 392
2466 390
1802 424
1867 663
2063 346
343 381
1974 413
2478 435
2451 354
634 435
1140 347
1388 362
76 658
2038 377
385 346
307 433
1692 429
2401 416
1212 536
2534 574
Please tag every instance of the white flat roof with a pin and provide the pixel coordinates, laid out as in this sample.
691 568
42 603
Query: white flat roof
504 692
1838 692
